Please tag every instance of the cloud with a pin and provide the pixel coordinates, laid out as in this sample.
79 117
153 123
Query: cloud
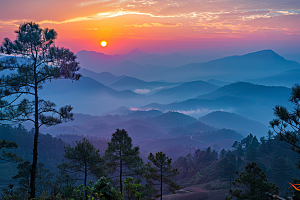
197 111
156 24
140 109
87 3
142 91
195 18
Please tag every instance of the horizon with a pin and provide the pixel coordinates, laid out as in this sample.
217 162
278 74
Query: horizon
163 27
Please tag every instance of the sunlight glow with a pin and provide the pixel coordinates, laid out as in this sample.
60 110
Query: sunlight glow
103 43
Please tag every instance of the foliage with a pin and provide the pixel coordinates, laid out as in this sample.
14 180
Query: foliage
252 184
101 190
160 172
84 158
8 156
121 157
132 188
103 187
287 124
40 61
281 170
43 179
228 167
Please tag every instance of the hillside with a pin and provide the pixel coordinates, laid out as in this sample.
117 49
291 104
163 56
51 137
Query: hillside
129 68
253 65
259 94
173 119
130 83
287 79
105 78
221 119
87 95
184 91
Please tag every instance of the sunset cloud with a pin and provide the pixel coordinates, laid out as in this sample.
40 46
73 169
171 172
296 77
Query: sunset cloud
157 19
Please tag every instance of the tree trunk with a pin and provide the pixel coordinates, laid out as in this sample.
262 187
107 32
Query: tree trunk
121 185
35 143
85 177
161 180
230 181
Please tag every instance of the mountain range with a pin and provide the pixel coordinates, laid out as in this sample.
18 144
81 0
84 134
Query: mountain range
99 62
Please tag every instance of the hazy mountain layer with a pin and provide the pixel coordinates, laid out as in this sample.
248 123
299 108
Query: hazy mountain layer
246 99
140 86
221 119
254 65
100 62
105 78
184 91
287 79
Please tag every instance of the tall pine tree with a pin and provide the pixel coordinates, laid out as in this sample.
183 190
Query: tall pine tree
120 157
35 60
252 184
159 171
84 158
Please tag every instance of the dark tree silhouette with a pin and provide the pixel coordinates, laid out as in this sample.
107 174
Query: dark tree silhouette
8 156
228 167
120 156
252 184
160 172
34 60
287 124
84 158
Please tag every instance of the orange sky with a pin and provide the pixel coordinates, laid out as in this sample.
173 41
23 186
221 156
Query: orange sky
160 26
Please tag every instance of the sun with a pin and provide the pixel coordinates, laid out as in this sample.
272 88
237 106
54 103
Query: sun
103 43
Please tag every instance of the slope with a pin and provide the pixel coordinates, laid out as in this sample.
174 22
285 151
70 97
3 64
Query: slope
287 79
185 91
221 119
254 65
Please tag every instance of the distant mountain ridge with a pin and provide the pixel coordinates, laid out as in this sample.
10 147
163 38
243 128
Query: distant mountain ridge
252 65
105 78
287 79
99 62
254 101
221 119
185 91
229 69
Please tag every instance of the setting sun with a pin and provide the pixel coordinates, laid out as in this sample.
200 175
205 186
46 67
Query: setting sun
103 43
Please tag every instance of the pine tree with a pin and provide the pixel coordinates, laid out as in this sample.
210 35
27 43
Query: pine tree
120 156
160 172
222 153
280 172
252 184
84 158
287 124
37 61
228 168
8 156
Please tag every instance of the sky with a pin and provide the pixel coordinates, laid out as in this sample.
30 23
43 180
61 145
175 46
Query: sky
161 26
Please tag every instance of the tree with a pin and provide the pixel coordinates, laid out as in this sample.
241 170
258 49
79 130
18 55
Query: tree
40 61
228 167
160 172
222 153
280 172
103 188
120 155
132 188
43 179
8 156
84 158
287 124
252 184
